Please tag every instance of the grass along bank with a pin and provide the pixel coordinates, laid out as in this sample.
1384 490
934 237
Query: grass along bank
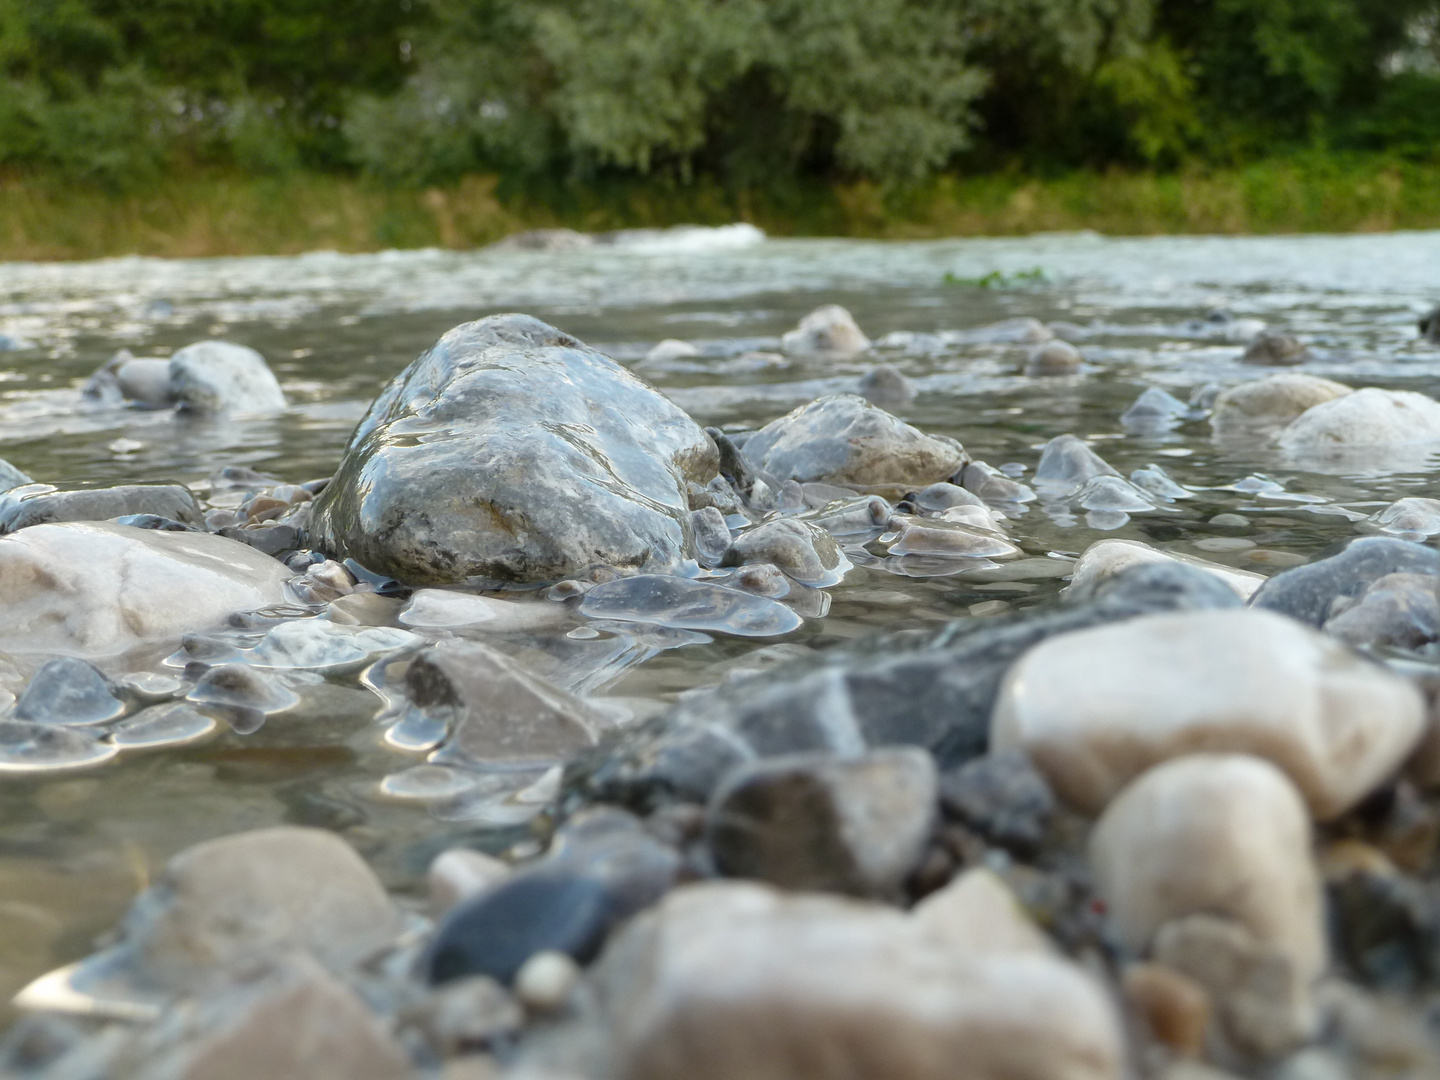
225 214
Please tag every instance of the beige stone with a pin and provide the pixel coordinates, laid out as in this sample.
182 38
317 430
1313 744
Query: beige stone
1223 837
1095 708
729 979
98 588
272 891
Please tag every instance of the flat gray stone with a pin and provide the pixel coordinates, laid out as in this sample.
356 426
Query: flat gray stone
172 501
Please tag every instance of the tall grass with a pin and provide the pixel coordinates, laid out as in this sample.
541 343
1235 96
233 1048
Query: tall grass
221 214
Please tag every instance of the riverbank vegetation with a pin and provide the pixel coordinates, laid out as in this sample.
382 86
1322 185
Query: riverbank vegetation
201 127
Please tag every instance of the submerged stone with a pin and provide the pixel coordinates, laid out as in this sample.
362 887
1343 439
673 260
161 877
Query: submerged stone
511 452
171 724
885 385
828 329
1367 417
68 691
32 747
1105 558
1408 519
1272 349
1053 357
318 644
1154 410
844 439
688 605
270 892
1066 463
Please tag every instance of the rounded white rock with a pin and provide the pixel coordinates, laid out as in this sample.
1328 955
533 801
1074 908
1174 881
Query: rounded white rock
1095 708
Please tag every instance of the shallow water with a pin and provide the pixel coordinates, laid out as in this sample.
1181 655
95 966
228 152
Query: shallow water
75 846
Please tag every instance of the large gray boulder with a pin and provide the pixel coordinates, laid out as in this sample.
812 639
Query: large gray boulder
511 452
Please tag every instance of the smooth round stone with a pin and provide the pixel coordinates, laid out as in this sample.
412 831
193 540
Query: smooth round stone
1223 543
1275 350
688 605
496 932
545 981
829 329
1310 593
1054 357
69 691
1113 494
1095 708
171 724
885 384
1368 420
1230 521
1408 519
31 747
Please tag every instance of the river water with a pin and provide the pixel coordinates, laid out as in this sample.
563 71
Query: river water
76 846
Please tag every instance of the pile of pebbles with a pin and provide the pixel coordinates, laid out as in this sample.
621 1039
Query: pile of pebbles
1179 824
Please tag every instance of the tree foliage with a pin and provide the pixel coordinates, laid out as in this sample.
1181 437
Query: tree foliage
747 92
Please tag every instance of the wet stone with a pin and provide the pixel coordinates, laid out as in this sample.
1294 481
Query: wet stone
172 501
829 329
1310 593
934 689
67 692
942 496
172 724
1054 357
218 377
993 486
1429 326
444 609
11 477
1001 796
712 535
510 452
688 605
269 892
951 539
1408 519
31 747
1272 349
815 822
272 540
1153 411
495 709
1258 408
804 551
1066 463
495 933
844 439
885 385
241 695
1370 417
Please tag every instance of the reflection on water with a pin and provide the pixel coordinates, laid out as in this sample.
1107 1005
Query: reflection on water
74 847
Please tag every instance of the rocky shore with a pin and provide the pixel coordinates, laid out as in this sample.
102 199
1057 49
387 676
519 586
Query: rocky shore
1179 824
